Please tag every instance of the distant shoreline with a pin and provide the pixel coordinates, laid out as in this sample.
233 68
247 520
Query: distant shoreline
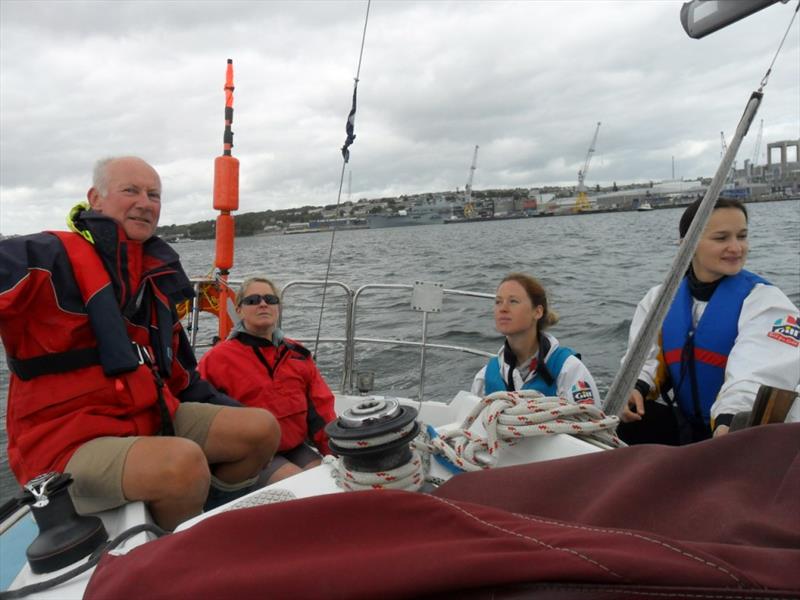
506 217
601 210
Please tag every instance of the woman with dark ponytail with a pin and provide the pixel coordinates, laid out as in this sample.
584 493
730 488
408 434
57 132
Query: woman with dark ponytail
727 332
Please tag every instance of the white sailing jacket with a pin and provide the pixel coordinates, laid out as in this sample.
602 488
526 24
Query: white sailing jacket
766 351
574 382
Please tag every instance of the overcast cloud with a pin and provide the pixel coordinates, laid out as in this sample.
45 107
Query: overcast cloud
527 81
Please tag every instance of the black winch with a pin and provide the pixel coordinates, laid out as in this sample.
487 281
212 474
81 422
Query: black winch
374 435
64 536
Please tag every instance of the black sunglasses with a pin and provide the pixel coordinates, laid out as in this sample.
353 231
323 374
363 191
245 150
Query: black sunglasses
255 299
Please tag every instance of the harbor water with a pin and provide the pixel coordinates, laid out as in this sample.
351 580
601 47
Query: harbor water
596 267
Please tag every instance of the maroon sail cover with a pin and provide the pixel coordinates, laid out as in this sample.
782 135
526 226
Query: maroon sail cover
718 519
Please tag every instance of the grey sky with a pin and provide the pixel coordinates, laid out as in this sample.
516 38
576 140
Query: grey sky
527 81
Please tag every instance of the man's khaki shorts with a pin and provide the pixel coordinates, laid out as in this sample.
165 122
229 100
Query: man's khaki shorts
97 465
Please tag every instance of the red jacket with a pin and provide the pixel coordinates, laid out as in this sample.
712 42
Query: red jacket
282 379
56 300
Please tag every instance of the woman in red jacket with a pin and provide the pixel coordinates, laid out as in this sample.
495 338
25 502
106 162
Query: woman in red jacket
260 367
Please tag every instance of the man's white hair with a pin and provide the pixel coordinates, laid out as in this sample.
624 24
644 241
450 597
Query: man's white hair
100 172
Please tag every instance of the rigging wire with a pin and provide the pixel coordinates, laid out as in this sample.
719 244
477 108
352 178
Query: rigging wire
345 159
778 51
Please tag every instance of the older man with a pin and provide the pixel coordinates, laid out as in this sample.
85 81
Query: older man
103 381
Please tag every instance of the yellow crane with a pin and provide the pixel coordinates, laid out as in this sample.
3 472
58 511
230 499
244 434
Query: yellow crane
469 207
582 201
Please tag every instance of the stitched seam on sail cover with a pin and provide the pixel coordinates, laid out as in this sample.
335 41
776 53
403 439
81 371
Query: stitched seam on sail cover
640 537
527 537
664 594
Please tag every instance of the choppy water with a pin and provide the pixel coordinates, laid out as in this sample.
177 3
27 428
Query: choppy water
596 268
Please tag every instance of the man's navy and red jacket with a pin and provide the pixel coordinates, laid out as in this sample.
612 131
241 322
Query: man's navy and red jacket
69 310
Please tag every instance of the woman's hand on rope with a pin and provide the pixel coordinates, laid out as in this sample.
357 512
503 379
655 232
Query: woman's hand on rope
634 411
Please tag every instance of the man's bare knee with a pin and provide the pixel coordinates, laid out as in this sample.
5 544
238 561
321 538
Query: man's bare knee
186 471
267 432
250 434
259 432
166 468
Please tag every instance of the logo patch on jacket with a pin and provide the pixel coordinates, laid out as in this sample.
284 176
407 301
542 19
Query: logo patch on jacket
786 330
582 393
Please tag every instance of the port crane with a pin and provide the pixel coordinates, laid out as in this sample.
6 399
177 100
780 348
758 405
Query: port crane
723 150
582 202
469 208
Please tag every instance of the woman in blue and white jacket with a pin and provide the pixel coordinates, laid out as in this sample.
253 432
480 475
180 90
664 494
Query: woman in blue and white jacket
727 332
531 359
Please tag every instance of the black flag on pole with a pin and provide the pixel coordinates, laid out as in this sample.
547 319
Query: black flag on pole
351 120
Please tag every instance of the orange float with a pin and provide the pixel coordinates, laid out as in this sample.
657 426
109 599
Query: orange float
215 294
226 199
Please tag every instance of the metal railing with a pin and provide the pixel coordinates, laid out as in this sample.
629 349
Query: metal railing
347 364
423 344
426 298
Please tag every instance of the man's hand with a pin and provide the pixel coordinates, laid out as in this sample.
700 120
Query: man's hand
635 408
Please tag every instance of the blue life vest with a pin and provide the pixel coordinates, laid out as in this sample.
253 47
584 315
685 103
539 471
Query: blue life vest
494 379
696 358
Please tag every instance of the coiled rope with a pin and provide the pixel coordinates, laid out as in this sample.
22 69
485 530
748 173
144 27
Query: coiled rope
375 441
409 476
511 416
507 418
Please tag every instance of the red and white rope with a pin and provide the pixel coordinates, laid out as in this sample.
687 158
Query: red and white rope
508 417
409 476
379 440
